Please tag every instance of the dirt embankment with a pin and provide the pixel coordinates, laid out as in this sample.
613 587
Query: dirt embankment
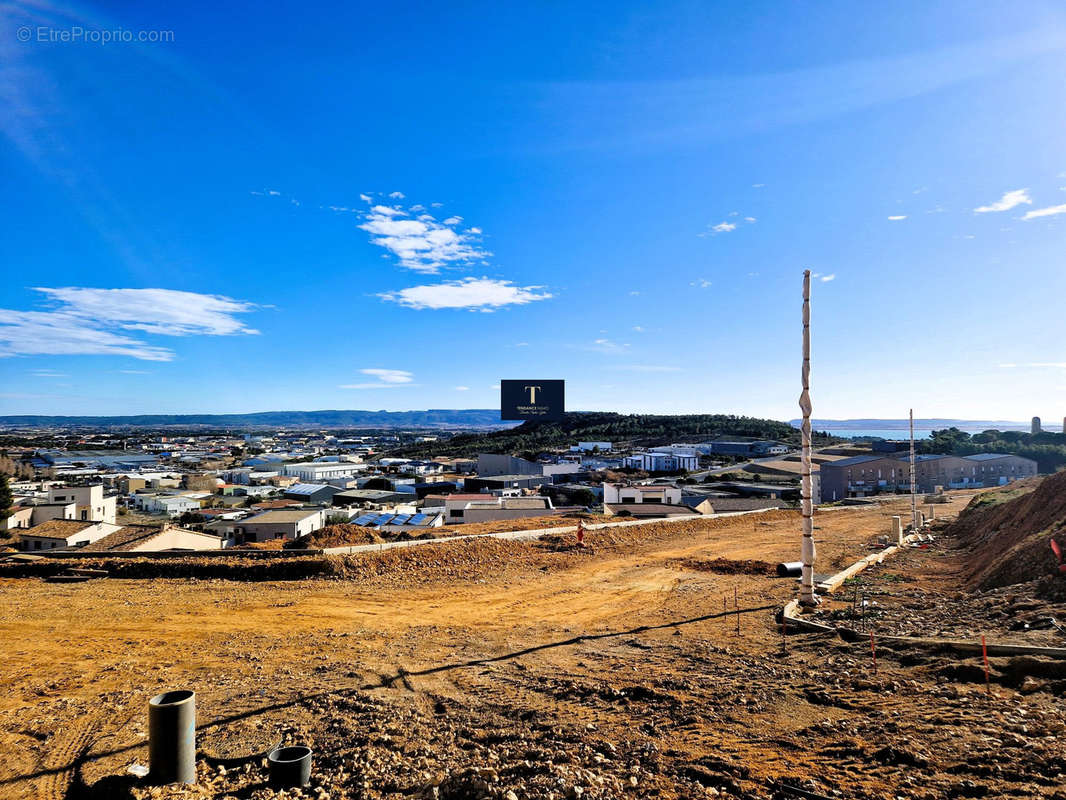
1008 533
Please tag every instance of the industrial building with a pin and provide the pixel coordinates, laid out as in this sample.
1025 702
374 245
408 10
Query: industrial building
861 476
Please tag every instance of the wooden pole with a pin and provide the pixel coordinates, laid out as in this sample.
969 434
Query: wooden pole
807 596
914 482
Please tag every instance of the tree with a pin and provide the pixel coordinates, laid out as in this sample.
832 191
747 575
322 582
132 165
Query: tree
582 497
6 498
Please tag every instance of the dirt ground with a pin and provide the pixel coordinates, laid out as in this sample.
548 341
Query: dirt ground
515 670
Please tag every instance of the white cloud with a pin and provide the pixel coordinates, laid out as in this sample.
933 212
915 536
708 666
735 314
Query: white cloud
605 346
724 227
897 217
273 193
757 185
397 195
1008 201
749 219
422 244
483 294
638 329
94 321
826 278
366 198
462 388
1045 212
521 344
386 379
134 371
162 311
701 283
634 293
47 373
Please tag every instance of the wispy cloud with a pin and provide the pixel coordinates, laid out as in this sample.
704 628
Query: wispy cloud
418 240
605 345
462 388
824 278
1009 200
477 294
1050 211
96 321
384 379
701 283
897 217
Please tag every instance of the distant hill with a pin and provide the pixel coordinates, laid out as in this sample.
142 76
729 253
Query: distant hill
904 424
639 429
455 419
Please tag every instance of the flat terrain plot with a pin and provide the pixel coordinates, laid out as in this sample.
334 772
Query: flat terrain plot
492 669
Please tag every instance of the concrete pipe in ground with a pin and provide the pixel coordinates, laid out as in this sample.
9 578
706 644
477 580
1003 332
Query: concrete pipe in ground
172 737
789 569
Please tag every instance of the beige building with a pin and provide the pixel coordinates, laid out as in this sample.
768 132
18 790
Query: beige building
282 524
155 538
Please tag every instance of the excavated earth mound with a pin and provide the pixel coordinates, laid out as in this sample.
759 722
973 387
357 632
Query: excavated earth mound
1009 532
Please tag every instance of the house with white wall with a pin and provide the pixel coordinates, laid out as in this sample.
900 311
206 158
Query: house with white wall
63 534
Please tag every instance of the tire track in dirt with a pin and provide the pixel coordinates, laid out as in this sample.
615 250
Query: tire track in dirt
68 750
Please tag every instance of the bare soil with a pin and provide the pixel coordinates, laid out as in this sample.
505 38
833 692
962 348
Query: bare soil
517 670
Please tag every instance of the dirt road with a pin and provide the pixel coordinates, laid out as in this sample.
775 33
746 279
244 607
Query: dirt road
486 669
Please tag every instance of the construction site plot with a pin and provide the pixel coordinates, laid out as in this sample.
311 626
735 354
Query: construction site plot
648 663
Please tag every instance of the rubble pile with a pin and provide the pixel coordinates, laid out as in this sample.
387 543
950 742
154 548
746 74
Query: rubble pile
1008 532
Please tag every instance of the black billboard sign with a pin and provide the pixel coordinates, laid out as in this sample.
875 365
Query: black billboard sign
532 399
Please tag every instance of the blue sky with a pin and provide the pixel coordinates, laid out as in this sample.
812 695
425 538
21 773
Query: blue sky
314 206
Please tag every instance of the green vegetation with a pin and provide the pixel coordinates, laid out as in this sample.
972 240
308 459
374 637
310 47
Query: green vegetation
6 498
1047 449
638 429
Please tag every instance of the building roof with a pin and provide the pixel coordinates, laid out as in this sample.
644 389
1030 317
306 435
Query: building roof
267 505
987 456
280 517
847 462
511 477
130 536
307 488
59 528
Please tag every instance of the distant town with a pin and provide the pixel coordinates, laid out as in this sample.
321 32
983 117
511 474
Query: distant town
144 490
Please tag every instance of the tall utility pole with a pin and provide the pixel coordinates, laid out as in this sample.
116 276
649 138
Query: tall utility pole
914 490
807 596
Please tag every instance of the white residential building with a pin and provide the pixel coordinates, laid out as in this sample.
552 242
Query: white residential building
60 534
89 502
657 461
614 493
